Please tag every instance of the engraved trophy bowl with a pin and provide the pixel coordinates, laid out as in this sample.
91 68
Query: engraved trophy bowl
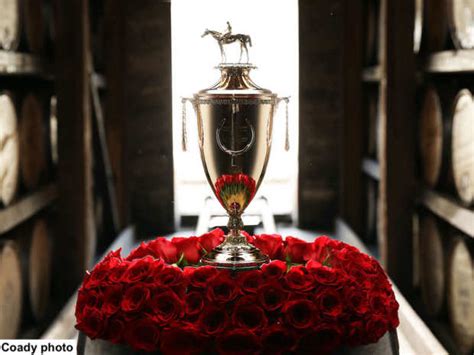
235 120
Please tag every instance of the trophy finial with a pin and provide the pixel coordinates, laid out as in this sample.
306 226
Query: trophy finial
227 37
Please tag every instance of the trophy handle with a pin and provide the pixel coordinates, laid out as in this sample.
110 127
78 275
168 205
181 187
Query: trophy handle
286 99
184 130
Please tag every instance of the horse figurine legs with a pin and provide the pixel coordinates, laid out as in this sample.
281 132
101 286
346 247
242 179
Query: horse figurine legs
243 46
223 56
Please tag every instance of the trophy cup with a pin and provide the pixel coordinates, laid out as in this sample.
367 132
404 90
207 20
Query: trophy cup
235 119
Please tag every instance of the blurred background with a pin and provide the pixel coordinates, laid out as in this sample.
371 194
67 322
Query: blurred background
381 133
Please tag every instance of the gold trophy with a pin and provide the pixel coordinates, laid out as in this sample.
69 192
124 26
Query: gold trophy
235 119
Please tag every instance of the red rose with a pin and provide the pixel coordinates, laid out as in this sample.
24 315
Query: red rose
323 274
141 251
324 337
169 276
355 334
250 280
378 303
299 313
270 244
277 340
142 334
211 240
321 249
135 298
182 339
299 279
393 313
166 307
274 270
213 320
375 328
272 296
164 249
138 270
222 288
112 298
199 276
89 299
329 302
194 303
91 322
297 250
248 237
249 316
356 300
189 248
114 331
117 272
238 342
101 271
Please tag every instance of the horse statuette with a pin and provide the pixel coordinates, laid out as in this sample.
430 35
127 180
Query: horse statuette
227 37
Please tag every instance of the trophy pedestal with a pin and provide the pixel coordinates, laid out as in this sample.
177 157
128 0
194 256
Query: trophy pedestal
235 253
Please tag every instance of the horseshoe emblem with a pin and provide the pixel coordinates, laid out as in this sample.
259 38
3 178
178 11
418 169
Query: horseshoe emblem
232 151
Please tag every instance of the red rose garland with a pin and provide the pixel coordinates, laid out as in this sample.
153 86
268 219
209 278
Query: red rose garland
313 297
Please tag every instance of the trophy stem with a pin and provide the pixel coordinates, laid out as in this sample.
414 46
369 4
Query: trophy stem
235 253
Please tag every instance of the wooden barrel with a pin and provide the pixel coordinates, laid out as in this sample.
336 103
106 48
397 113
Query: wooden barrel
435 135
10 290
53 130
432 265
36 254
371 22
10 24
34 24
32 142
461 23
461 294
418 26
462 146
435 25
9 149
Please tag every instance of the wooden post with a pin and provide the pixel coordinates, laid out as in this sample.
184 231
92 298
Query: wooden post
75 242
397 163
352 137
148 115
115 101
321 101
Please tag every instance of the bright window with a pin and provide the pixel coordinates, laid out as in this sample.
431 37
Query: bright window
273 27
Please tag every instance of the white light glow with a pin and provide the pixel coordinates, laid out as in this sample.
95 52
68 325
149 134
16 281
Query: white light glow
273 27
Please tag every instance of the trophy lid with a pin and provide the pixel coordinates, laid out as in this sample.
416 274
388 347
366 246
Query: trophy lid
235 82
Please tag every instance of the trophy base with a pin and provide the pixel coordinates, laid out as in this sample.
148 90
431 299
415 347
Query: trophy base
235 253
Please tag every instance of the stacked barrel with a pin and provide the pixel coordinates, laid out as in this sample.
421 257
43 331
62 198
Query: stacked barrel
443 271
443 254
28 156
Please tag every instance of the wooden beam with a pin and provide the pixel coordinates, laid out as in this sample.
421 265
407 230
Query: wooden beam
26 207
351 140
450 211
75 241
397 165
